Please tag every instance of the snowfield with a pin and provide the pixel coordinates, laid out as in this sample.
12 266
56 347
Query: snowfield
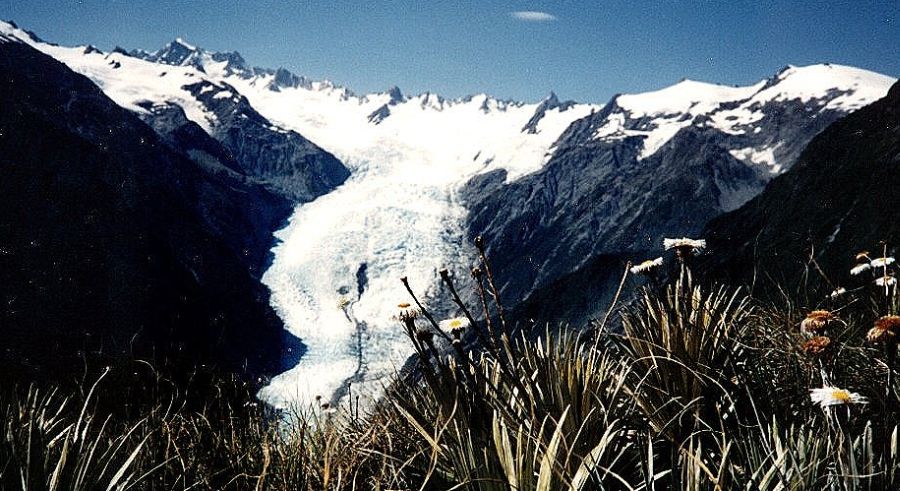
337 264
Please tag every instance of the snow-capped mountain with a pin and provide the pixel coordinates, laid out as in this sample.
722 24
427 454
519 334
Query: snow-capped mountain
283 159
397 215
552 183
837 200
114 244
652 165
741 111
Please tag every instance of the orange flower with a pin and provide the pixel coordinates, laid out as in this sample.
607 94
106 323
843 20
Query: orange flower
817 321
816 346
881 336
889 323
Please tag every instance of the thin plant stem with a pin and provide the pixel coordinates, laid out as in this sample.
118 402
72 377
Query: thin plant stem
479 243
615 299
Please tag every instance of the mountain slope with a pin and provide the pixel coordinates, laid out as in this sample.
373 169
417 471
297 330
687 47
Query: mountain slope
653 165
840 198
112 241
285 161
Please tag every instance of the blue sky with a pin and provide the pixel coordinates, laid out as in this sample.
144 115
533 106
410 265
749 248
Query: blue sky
584 50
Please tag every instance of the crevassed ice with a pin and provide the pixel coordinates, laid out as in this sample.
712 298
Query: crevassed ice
398 215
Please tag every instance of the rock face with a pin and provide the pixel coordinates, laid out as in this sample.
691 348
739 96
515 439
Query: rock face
643 168
113 240
285 161
839 198
551 102
191 78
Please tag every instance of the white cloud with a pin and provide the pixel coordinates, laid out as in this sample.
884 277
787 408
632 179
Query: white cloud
532 16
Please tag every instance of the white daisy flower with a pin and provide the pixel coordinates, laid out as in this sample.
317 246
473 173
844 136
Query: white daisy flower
684 242
886 281
455 325
646 266
860 268
882 262
838 292
833 396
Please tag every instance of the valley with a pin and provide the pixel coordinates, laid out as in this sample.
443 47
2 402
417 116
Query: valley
387 185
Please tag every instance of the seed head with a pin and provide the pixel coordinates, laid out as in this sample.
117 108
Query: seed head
647 266
407 312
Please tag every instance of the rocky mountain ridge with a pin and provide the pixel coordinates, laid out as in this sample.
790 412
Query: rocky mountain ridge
113 242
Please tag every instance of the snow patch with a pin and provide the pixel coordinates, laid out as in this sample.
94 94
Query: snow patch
758 156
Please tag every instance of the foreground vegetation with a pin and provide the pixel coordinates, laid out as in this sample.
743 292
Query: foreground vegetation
698 386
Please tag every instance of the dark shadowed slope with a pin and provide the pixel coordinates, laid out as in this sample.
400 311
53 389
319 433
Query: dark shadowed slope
841 197
112 241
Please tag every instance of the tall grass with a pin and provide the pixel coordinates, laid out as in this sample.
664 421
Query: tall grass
702 388
50 445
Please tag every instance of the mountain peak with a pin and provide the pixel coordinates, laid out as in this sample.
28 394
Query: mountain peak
816 81
176 52
395 94
10 29
180 41
549 103
681 97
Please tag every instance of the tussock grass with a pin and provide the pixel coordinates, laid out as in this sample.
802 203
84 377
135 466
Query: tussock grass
703 388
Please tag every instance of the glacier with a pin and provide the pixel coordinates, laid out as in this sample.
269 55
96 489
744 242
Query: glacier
398 215
336 268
